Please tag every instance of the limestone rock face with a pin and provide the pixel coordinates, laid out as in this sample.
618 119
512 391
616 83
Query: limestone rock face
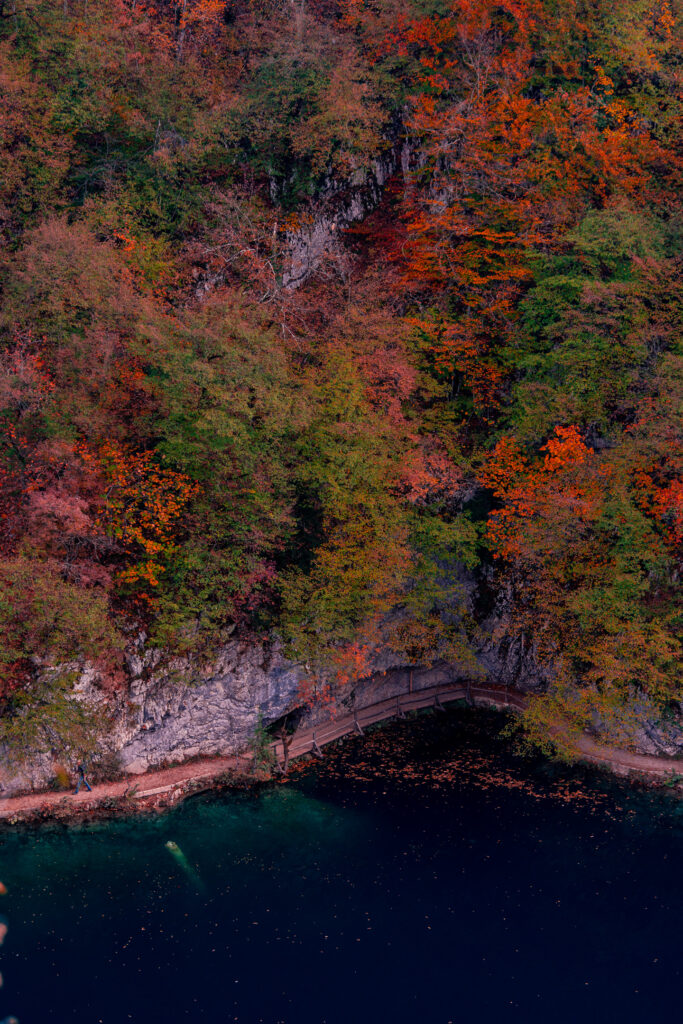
173 716
512 663
339 204
643 727
171 712
34 775
317 238
660 737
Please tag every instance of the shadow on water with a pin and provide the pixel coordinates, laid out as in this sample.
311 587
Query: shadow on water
420 874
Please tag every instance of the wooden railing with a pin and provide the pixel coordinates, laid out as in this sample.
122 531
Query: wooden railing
311 739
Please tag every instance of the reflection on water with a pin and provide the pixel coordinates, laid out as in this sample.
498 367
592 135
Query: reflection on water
419 874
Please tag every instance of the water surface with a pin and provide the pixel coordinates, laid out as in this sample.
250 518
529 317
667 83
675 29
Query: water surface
422 874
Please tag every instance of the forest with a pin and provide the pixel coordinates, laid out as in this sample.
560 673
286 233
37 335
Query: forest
462 426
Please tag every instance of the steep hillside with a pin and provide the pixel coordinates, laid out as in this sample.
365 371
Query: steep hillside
353 325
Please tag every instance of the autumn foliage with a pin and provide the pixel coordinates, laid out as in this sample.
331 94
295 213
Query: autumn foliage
463 427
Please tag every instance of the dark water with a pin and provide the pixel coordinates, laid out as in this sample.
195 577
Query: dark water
423 874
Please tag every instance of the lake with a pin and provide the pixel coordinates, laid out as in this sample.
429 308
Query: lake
423 873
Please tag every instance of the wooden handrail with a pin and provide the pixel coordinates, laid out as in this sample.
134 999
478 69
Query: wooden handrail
305 740
302 741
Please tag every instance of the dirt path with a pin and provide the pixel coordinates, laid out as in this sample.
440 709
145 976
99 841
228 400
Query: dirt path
158 788
622 761
169 785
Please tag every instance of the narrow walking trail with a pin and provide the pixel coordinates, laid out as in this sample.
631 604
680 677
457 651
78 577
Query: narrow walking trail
305 741
146 790
167 786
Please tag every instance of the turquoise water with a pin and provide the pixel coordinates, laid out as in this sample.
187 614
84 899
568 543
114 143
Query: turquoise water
420 874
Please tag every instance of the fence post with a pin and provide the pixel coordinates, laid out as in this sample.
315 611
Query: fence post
286 744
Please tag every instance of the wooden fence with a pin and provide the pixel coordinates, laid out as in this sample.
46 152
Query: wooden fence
311 739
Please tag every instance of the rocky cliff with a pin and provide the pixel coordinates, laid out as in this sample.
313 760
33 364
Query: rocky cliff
171 712
339 204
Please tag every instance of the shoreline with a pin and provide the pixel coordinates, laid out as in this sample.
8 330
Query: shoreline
159 790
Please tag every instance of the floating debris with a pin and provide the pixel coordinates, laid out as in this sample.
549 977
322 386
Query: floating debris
390 754
180 859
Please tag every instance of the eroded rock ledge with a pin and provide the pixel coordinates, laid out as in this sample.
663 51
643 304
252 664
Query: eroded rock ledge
174 712
339 204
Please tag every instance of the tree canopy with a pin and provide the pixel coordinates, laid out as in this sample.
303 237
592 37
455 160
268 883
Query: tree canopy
482 379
